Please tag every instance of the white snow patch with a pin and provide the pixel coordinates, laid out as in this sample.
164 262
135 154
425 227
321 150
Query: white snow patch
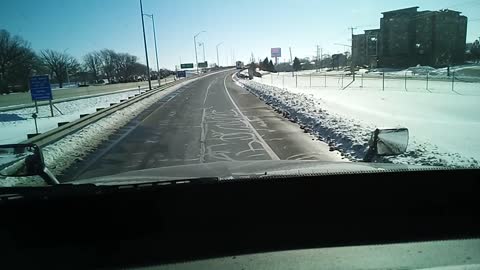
63 153
16 131
444 127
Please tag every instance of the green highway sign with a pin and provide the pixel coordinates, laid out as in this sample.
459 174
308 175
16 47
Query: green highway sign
203 65
189 65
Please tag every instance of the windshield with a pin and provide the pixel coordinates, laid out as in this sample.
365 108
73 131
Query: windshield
108 87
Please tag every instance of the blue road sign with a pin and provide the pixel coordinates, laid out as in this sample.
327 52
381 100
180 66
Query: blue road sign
181 74
40 88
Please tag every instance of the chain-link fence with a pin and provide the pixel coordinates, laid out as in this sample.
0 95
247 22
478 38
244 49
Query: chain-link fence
408 82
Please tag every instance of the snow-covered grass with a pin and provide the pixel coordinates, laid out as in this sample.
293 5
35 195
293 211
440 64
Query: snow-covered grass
16 131
444 126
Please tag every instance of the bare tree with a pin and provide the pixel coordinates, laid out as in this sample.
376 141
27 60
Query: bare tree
125 66
17 61
107 58
93 64
60 65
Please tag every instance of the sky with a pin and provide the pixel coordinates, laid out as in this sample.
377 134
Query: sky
244 27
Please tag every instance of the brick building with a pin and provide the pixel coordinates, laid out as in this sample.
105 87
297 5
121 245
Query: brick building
365 48
408 37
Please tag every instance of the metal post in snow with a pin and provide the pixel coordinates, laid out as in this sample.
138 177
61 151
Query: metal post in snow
296 81
325 79
383 81
342 80
405 81
51 107
34 116
271 79
310 80
453 81
427 80
361 86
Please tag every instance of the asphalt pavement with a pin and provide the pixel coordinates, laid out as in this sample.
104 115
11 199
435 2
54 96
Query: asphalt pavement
210 119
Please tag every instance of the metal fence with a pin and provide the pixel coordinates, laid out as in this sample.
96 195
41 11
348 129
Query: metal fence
380 82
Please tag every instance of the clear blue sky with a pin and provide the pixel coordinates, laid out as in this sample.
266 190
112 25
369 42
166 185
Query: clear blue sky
245 26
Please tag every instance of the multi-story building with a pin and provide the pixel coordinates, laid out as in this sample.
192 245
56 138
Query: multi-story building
407 38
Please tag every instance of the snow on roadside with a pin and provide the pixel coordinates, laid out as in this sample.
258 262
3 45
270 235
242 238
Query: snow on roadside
15 131
443 134
63 153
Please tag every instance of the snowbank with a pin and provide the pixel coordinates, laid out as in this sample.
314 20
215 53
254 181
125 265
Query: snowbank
63 153
15 125
444 129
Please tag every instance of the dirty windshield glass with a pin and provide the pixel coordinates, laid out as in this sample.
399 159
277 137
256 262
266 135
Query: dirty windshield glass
110 87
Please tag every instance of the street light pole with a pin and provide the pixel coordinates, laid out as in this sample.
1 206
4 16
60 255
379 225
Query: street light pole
145 43
218 59
156 51
195 45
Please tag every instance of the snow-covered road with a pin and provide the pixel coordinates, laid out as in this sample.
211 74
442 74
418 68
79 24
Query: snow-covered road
444 126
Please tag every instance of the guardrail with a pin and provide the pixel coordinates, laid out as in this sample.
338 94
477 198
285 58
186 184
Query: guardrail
66 129
69 128
68 99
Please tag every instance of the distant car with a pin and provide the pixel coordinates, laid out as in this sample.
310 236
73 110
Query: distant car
239 65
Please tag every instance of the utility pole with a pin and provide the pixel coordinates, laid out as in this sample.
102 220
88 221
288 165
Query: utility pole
218 59
156 51
202 44
195 44
145 43
291 61
352 65
321 58
318 58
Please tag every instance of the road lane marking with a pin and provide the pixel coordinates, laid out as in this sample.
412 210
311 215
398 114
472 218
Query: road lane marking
203 125
267 147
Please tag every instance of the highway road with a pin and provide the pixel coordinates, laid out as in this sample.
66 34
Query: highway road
210 119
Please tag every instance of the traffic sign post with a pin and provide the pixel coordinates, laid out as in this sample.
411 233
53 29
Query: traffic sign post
188 65
181 74
40 89
276 53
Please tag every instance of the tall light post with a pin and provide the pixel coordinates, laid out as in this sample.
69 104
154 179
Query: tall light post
145 43
218 59
155 39
195 44
202 44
